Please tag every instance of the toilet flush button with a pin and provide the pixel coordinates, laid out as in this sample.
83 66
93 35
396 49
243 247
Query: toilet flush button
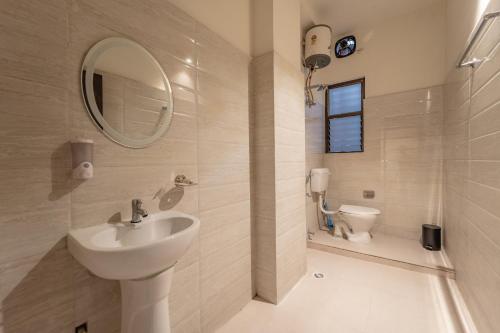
368 194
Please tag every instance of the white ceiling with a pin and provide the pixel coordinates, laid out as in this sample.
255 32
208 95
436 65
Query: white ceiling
346 15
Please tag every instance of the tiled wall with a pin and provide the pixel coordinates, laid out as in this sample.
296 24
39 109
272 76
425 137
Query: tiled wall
290 157
263 177
42 289
401 162
278 141
472 182
315 151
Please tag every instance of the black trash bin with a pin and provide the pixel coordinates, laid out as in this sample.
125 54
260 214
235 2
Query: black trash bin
431 237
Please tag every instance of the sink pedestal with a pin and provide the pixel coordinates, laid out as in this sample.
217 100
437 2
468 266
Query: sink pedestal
145 304
133 255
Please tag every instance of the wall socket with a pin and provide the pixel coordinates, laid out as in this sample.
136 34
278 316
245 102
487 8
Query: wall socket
81 328
368 194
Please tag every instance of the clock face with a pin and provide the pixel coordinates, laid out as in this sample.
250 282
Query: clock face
345 46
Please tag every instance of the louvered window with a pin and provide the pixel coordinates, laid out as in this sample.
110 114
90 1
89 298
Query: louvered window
344 117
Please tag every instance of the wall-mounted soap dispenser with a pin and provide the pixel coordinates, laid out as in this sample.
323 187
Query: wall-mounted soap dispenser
82 151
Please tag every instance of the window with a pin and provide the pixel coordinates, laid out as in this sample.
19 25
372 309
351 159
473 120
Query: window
344 117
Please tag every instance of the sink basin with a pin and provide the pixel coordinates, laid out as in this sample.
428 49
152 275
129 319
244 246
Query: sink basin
123 251
142 256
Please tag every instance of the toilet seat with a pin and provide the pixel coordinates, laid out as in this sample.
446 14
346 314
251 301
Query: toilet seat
359 210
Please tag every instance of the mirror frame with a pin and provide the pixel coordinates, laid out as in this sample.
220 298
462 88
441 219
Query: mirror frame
88 67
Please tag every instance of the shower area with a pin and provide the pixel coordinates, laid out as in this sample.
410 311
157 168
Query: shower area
399 173
418 136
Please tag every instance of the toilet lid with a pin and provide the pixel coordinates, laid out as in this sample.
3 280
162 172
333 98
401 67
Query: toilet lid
358 210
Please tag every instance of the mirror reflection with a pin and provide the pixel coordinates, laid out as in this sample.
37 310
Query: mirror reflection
126 92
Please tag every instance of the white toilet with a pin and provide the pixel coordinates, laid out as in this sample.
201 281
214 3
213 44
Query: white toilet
358 220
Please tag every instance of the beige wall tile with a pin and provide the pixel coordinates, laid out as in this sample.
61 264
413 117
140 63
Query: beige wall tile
315 148
289 169
32 51
482 219
25 304
184 298
413 149
485 196
485 148
222 216
217 196
219 260
263 178
290 218
429 124
488 69
189 325
486 96
486 172
290 121
214 287
227 304
471 214
222 153
278 139
219 239
486 122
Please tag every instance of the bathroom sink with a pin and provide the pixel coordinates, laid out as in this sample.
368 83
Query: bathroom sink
142 256
125 251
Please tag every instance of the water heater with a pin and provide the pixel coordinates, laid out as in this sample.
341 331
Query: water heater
318 43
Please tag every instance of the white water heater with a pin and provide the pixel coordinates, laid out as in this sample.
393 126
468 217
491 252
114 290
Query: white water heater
318 44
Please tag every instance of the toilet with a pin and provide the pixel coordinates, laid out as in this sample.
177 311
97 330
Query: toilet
360 219
357 220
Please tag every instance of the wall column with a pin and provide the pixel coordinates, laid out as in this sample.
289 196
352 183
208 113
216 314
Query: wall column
278 151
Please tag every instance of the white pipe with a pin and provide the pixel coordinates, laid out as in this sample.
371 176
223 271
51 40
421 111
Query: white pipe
332 212
323 210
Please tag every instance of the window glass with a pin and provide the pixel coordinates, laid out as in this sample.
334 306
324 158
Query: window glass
345 99
345 134
344 117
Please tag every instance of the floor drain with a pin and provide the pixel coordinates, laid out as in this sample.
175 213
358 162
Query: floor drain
319 275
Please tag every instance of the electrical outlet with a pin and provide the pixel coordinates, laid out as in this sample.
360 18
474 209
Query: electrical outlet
81 328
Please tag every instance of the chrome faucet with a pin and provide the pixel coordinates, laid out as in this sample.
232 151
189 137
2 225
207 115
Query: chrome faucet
137 211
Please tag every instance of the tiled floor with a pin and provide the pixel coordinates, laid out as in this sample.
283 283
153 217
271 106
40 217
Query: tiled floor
354 297
390 247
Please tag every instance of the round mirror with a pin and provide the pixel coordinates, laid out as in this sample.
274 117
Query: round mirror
126 92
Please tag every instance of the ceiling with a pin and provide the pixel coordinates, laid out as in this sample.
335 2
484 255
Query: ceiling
346 15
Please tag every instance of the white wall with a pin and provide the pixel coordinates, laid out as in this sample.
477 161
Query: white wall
261 27
255 27
287 31
276 26
401 54
228 18
308 16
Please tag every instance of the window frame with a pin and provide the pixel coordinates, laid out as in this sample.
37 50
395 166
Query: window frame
344 115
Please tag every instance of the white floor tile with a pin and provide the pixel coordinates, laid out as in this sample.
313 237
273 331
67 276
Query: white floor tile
354 297
390 247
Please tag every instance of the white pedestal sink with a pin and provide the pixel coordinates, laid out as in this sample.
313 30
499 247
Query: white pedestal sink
142 257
